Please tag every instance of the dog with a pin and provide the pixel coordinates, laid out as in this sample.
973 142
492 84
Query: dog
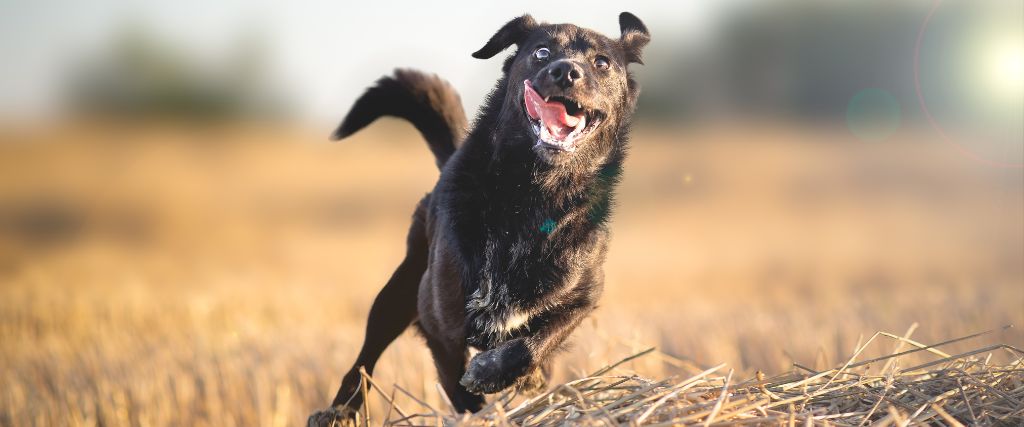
505 254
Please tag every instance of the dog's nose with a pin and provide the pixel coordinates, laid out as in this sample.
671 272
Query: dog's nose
564 73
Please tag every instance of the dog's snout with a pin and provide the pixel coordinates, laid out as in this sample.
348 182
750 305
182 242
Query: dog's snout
564 73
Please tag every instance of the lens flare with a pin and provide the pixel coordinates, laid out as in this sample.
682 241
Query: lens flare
1003 64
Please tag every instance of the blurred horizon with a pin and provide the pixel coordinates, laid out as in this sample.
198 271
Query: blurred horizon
843 61
323 55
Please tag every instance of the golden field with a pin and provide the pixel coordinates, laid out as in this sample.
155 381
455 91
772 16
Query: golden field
157 276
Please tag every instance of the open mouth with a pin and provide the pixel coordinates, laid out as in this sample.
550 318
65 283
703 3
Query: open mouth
558 122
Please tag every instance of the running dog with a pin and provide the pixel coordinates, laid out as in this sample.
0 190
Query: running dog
505 254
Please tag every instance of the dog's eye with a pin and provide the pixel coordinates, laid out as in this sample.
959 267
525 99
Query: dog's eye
601 63
541 53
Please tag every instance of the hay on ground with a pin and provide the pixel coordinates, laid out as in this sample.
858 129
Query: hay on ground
951 390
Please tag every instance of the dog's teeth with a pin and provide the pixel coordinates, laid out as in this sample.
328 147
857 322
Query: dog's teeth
579 106
547 98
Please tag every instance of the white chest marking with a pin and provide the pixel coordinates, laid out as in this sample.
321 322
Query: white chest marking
513 321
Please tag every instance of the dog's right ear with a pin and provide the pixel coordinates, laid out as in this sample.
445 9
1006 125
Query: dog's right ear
512 33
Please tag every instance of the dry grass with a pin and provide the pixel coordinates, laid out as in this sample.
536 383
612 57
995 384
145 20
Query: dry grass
192 283
954 390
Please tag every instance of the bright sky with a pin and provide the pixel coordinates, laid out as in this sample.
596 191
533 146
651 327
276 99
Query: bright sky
323 53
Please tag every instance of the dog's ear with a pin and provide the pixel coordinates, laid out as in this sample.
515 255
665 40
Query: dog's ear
512 33
634 36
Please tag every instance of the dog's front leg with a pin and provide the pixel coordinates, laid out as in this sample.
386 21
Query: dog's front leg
494 370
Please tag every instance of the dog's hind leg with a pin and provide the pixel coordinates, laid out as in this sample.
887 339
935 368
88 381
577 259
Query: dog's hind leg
393 310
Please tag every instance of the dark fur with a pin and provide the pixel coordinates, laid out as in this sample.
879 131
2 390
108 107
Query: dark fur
511 230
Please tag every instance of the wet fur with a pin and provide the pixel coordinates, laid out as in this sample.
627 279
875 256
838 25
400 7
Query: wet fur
505 254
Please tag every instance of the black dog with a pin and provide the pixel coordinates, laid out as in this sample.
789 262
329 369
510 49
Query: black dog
505 254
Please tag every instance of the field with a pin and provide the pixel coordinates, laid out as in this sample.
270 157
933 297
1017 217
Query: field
220 276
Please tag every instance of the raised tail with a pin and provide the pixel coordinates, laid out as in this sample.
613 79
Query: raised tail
427 101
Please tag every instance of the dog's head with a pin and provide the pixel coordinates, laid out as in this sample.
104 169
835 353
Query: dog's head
571 84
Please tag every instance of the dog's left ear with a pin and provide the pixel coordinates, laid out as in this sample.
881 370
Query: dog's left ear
512 33
634 36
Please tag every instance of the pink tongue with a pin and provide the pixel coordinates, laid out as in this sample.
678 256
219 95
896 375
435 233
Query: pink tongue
551 114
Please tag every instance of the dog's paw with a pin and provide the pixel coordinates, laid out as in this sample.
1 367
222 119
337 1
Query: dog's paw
334 417
492 371
484 374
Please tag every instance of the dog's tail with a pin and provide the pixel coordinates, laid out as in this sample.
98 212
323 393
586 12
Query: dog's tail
427 101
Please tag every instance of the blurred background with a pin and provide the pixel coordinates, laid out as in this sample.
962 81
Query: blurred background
181 245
